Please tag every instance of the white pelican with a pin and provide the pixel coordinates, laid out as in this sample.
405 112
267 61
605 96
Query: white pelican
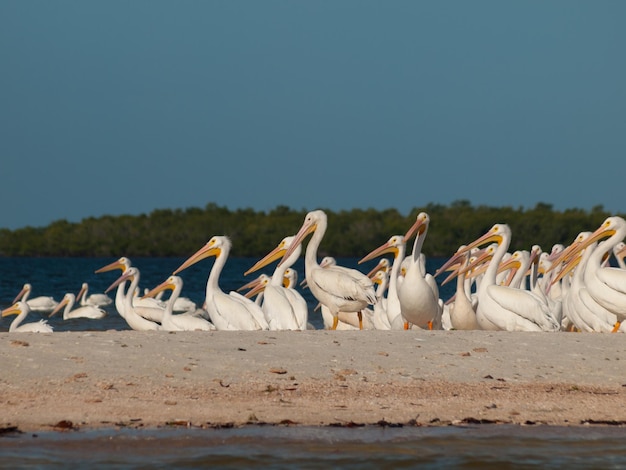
134 320
607 285
122 264
182 322
340 289
149 308
230 311
97 300
419 294
21 309
257 287
43 304
291 278
393 309
580 308
378 313
502 307
462 311
182 304
284 308
86 311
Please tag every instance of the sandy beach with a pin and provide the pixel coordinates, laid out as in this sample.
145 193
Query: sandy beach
91 380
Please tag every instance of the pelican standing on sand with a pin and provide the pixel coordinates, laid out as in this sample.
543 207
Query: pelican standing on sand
134 320
419 294
181 322
340 289
393 309
284 308
21 309
148 308
230 311
502 307
607 285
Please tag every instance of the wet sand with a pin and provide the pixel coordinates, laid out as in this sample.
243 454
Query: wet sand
94 380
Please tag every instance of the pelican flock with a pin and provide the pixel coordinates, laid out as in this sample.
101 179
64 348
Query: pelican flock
565 288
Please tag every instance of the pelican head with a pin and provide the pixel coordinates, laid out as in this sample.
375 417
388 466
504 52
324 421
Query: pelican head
16 309
67 298
273 255
214 247
391 246
123 263
495 234
312 221
130 273
419 226
170 283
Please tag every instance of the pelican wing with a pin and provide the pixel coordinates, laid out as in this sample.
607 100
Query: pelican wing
233 311
278 309
36 327
524 304
605 317
216 306
345 283
614 278
87 311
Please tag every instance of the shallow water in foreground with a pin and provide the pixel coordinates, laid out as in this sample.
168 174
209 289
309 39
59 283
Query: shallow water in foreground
481 446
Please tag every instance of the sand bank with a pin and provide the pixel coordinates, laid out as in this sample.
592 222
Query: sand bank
89 380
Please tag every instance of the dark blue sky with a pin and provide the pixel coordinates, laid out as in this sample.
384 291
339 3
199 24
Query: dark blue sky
117 107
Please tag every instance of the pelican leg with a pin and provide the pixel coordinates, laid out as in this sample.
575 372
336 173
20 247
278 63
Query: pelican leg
335 322
616 327
406 325
430 324
360 315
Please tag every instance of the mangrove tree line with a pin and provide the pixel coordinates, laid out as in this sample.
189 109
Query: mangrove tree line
180 232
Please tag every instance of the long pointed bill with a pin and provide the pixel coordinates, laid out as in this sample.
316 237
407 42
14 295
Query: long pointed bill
165 285
454 262
605 230
59 306
306 229
259 287
207 250
20 295
566 255
110 267
80 292
272 256
250 285
14 309
125 276
571 264
418 227
381 266
479 265
490 236
381 250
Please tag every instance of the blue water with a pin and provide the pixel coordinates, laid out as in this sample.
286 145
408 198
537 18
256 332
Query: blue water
57 276
469 447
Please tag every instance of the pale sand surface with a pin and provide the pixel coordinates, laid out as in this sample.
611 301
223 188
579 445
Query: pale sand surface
149 379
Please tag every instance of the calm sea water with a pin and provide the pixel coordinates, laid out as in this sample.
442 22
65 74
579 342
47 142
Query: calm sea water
484 446
471 447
